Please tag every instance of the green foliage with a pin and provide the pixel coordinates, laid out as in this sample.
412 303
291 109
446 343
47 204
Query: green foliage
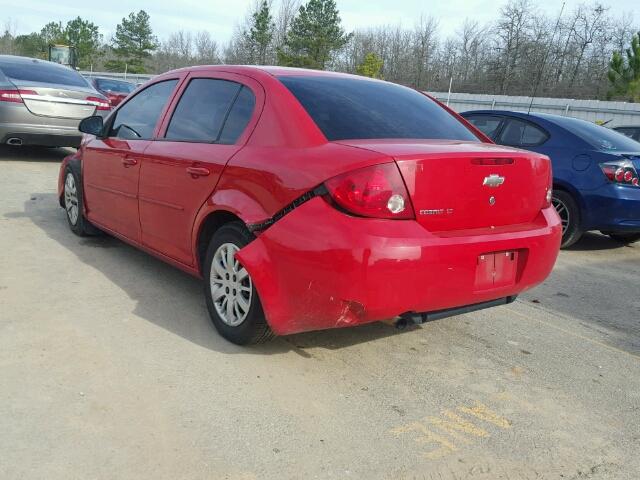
624 72
261 33
85 37
31 45
315 35
133 43
371 66
52 33
79 33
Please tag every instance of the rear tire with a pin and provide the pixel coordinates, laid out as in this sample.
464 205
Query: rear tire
569 213
232 298
73 203
625 238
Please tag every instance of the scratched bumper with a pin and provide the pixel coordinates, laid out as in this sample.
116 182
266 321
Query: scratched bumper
318 268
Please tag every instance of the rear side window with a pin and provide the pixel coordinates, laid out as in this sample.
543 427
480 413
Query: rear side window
600 138
115 86
202 110
239 117
352 108
137 118
487 124
630 132
518 133
42 72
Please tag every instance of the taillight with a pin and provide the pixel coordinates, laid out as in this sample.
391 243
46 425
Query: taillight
100 103
14 96
376 191
113 98
621 172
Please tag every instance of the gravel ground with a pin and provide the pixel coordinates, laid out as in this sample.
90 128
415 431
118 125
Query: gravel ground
110 369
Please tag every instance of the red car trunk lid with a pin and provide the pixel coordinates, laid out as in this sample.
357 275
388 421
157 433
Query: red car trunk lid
466 185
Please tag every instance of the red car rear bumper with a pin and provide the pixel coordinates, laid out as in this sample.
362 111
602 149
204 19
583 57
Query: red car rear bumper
318 268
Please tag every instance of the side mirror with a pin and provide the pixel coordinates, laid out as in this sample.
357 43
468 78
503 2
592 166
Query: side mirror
92 125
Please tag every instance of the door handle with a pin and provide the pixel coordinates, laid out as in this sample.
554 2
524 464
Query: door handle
198 171
129 162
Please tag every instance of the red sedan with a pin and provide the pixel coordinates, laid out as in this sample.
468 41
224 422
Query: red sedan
115 90
309 200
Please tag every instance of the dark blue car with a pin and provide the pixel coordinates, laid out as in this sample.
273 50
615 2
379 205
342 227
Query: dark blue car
595 169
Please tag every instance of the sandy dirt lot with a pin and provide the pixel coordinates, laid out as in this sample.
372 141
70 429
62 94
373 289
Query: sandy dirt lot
110 369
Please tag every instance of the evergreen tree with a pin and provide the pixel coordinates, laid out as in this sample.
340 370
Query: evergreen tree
261 33
315 35
624 72
371 66
133 43
85 37
52 33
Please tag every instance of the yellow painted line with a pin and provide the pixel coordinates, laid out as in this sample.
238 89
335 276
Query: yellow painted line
574 334
445 445
456 424
483 412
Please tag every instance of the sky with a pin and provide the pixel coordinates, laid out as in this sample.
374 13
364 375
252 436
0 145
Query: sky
218 17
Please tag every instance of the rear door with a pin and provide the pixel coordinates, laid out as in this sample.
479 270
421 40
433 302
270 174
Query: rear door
209 122
111 165
521 133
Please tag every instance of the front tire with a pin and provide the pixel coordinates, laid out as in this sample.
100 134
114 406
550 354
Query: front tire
569 213
232 298
73 203
625 238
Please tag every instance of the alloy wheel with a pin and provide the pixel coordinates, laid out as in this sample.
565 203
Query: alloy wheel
71 199
563 213
231 286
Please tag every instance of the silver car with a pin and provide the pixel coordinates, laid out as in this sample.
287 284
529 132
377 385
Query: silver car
42 103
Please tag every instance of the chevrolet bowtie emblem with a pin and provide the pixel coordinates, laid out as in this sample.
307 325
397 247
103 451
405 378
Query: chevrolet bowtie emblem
493 180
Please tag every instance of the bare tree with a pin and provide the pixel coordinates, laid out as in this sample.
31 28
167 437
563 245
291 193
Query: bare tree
206 49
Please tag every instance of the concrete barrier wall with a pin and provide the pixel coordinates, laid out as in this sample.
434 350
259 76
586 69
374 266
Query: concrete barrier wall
129 77
615 113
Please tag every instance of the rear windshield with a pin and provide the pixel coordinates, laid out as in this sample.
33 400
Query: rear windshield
41 72
115 86
599 137
350 108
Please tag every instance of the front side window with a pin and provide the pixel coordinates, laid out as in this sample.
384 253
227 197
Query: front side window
350 108
202 110
518 133
487 124
137 119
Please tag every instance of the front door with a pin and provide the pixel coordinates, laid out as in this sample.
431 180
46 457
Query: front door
181 168
111 165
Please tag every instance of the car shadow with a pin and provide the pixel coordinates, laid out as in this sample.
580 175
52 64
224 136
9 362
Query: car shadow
170 298
33 154
591 241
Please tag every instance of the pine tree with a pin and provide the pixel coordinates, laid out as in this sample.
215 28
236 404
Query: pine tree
85 37
133 43
315 35
261 33
371 66
624 72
